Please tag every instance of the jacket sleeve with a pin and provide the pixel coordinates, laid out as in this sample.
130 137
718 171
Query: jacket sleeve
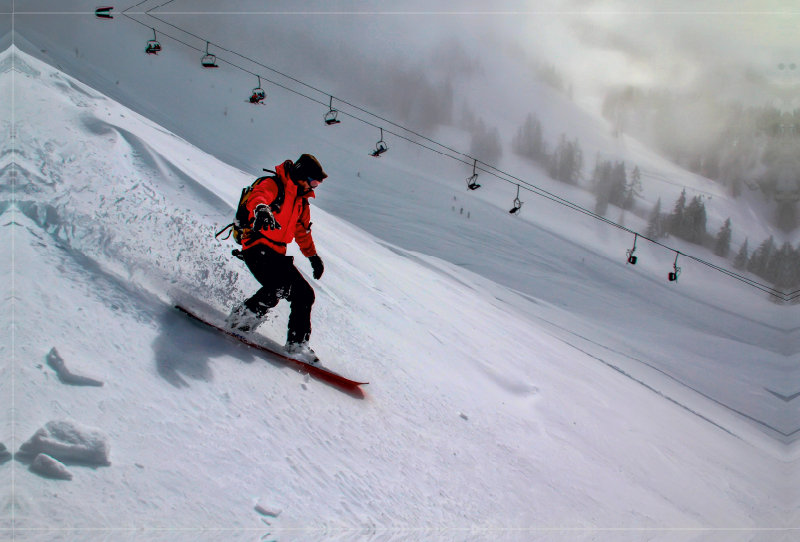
264 192
302 233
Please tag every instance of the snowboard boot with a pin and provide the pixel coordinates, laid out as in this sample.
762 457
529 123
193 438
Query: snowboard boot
242 319
301 351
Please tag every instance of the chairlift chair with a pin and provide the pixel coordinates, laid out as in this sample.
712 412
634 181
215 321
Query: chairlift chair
330 116
258 95
472 180
676 271
103 13
153 47
380 147
517 204
629 253
209 60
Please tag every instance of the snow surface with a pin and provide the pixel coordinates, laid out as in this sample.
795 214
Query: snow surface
565 396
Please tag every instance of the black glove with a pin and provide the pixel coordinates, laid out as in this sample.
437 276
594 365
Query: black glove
316 265
264 219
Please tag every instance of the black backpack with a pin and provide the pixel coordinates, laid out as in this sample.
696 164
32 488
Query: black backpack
241 227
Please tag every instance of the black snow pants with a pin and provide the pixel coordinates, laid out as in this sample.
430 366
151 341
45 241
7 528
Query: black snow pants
280 279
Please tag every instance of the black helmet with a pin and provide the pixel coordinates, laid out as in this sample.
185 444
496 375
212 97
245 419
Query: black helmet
307 167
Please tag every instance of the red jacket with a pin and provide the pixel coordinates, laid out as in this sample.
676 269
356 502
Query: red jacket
294 215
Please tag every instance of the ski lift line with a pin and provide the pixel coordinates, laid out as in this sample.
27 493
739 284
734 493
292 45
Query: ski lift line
157 7
136 6
749 282
745 280
308 86
570 204
543 193
300 93
741 278
297 92
500 174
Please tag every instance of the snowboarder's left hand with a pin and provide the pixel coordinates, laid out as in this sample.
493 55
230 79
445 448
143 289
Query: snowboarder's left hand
316 265
264 219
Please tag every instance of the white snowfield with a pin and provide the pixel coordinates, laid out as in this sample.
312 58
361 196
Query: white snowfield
490 414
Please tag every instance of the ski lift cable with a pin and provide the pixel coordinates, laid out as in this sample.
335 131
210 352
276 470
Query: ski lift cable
553 196
297 92
547 195
751 282
306 85
500 174
136 6
157 7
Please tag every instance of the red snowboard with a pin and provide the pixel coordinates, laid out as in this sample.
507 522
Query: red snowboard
318 372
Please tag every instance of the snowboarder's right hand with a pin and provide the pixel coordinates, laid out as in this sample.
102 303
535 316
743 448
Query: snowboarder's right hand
264 219
316 266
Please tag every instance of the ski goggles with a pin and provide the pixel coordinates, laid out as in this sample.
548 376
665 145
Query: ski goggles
313 183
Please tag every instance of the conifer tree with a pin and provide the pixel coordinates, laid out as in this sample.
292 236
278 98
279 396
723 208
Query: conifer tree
602 187
740 261
601 206
722 243
529 141
633 189
693 223
777 268
760 258
618 181
676 218
655 226
794 270
566 162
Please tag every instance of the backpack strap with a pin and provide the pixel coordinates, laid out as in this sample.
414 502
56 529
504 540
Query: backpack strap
229 228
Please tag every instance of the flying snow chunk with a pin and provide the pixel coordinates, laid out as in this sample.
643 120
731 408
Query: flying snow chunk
70 441
47 466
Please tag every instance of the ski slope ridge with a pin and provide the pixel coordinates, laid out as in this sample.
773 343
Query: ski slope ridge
488 414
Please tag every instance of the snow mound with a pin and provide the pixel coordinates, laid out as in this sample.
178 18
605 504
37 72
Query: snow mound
52 468
70 441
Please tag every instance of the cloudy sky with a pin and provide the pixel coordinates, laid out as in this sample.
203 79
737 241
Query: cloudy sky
734 47
677 43
407 59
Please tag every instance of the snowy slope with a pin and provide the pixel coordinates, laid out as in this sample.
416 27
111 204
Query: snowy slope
487 408
732 345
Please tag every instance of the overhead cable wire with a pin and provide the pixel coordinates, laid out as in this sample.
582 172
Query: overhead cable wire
136 6
493 171
303 83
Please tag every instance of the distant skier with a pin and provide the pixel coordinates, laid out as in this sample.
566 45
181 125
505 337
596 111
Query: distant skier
280 214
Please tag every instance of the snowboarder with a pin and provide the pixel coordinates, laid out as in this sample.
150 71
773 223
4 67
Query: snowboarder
275 224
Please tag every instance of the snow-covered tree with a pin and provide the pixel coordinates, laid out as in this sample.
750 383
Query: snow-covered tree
693 224
722 242
778 268
633 189
618 182
676 217
602 186
566 162
655 223
757 264
741 259
529 141
485 144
